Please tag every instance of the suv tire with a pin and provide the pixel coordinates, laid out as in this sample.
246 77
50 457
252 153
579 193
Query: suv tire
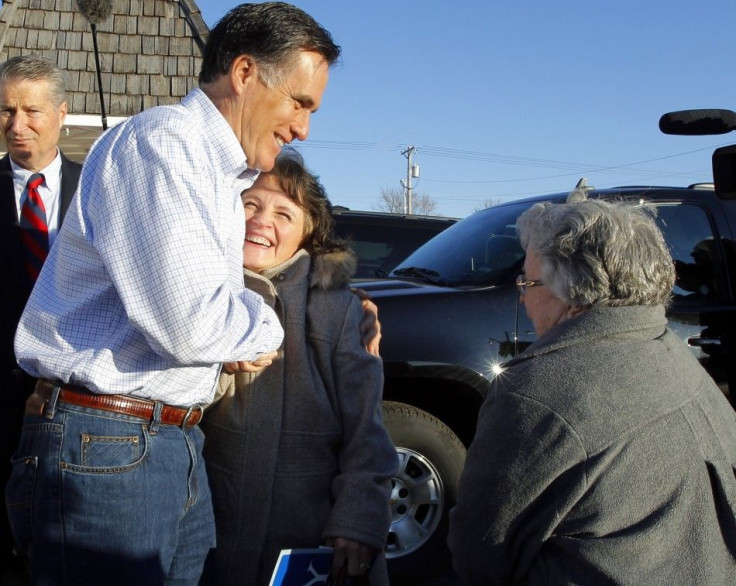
431 458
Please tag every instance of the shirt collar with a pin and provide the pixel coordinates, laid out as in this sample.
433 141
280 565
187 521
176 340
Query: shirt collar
214 124
51 173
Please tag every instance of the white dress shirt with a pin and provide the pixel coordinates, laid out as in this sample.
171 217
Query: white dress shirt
143 292
49 190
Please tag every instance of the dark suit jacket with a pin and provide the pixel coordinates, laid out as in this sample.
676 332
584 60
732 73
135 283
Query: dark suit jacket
15 286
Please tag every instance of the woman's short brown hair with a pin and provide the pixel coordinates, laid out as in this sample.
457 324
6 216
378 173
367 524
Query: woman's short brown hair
304 189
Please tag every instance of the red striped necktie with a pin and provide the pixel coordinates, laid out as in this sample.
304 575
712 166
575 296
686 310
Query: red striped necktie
34 229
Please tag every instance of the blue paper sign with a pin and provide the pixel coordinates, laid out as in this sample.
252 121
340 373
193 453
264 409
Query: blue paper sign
302 567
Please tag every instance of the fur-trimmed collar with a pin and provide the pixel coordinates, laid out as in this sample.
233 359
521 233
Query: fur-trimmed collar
332 270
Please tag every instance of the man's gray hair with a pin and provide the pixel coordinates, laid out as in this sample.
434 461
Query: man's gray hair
597 252
35 68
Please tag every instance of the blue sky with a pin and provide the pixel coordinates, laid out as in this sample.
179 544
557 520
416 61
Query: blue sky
508 98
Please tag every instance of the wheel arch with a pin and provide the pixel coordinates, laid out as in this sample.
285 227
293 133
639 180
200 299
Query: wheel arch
450 393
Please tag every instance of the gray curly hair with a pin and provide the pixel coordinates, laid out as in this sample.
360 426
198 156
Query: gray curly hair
596 252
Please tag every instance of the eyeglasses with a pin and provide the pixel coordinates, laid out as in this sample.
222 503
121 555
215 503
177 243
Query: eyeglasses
522 283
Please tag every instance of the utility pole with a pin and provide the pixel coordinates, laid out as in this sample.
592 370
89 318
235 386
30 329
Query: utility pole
411 171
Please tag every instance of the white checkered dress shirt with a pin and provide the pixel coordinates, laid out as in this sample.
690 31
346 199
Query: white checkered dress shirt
142 293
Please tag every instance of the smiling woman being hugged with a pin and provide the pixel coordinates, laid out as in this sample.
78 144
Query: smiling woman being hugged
297 454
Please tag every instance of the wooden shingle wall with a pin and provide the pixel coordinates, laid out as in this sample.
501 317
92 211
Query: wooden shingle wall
150 50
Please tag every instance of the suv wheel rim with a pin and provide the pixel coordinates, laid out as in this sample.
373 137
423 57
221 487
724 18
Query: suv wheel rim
417 503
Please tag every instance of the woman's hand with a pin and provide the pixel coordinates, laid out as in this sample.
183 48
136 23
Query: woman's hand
370 327
350 555
256 365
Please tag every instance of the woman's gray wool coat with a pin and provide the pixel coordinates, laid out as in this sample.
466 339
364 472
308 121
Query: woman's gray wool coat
298 452
604 454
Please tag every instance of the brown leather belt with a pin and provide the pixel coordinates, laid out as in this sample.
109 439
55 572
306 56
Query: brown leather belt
123 404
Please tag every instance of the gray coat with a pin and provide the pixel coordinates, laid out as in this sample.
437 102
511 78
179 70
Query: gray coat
604 455
298 452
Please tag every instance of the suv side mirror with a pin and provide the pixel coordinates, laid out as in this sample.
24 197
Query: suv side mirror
724 171
703 122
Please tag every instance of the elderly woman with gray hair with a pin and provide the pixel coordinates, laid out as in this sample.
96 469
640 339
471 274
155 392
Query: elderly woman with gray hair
604 453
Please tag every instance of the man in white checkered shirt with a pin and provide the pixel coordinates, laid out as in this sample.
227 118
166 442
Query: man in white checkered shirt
139 304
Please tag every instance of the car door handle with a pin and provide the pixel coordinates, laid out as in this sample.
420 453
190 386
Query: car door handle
703 342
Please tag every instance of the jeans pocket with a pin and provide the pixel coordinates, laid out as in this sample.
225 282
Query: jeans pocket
107 451
19 499
95 452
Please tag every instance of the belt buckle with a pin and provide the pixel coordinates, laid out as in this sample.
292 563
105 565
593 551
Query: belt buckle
190 412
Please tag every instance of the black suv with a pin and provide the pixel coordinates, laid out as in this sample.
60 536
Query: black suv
382 240
451 315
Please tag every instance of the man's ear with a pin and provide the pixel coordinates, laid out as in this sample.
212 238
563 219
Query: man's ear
62 113
243 71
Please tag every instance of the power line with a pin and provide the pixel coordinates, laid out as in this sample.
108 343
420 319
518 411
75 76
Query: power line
576 168
585 168
340 145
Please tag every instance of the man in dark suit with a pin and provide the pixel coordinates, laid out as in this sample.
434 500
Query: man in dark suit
32 111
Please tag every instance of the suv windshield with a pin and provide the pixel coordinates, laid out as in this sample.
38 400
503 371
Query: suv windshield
479 251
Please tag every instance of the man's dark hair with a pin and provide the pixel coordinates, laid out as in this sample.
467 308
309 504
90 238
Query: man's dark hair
271 33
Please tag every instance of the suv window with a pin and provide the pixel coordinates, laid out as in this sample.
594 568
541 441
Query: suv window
694 250
381 241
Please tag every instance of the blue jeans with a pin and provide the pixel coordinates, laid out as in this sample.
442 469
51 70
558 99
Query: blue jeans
102 498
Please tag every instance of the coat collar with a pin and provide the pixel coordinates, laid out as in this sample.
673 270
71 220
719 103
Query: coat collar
635 322
327 271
